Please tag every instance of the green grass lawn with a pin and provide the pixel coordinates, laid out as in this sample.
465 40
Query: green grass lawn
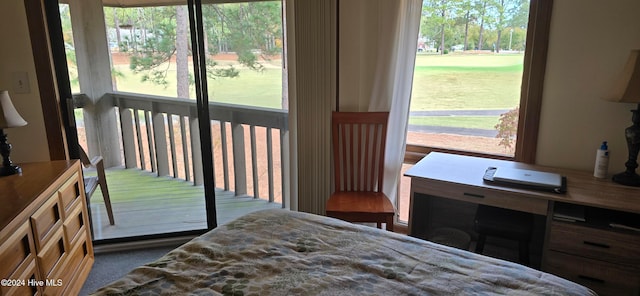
465 82
263 89
480 122
441 82
456 82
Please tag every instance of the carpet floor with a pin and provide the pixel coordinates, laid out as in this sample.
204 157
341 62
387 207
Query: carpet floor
111 266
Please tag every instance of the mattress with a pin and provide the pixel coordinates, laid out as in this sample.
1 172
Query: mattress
281 252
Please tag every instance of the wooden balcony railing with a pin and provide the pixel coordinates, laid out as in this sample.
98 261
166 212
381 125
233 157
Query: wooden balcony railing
160 134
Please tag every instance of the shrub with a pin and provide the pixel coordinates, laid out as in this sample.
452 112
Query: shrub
507 129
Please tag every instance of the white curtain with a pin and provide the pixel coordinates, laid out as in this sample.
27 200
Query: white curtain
377 47
393 80
311 48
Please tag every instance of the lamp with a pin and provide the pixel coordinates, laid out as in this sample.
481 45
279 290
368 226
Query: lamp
9 117
627 90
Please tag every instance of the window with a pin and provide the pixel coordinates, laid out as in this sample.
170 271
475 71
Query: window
519 59
150 52
151 121
476 80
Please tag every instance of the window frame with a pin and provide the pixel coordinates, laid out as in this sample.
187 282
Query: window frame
535 60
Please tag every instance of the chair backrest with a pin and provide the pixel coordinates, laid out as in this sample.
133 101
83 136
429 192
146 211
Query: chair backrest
358 150
84 158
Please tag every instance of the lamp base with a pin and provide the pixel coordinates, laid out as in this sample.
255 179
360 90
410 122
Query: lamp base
626 178
10 170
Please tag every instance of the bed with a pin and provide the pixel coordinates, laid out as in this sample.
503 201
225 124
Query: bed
280 252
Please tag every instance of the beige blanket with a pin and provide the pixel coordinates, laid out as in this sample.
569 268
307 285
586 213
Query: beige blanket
278 252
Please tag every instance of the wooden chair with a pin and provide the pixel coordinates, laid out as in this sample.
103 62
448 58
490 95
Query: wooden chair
358 151
91 183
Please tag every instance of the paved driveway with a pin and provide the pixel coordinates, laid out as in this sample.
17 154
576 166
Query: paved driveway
491 133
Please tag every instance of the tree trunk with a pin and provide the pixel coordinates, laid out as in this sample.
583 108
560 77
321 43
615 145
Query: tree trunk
116 22
500 26
182 64
466 30
484 7
444 14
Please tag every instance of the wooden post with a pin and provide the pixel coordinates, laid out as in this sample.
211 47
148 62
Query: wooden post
160 142
196 153
285 169
128 141
94 74
239 159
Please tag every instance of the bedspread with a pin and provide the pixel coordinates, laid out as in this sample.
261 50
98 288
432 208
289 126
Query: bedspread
280 252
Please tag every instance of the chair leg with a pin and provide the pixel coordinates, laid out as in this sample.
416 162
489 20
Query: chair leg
480 243
524 252
389 223
379 225
107 200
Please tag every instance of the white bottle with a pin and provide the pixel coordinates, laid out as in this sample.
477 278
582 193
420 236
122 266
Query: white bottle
602 161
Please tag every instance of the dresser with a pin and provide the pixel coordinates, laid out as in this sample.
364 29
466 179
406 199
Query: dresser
591 233
45 241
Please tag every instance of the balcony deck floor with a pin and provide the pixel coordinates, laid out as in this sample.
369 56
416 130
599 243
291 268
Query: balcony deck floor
145 204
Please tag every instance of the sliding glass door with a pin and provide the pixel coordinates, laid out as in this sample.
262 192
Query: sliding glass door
185 104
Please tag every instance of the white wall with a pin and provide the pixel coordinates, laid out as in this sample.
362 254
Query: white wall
589 44
29 142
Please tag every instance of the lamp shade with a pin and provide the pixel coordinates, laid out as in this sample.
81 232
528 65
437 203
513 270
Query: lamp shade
627 86
9 117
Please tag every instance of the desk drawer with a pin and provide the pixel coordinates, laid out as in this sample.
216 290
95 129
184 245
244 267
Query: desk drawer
484 196
604 278
595 243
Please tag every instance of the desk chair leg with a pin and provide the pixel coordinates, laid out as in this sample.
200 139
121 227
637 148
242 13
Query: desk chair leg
480 243
107 200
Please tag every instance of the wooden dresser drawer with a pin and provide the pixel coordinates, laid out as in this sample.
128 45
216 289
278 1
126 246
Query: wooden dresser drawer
604 278
595 243
74 225
69 194
45 221
24 280
15 251
45 240
52 254
68 273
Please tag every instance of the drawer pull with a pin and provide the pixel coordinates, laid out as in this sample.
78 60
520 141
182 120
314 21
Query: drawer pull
592 279
599 245
473 195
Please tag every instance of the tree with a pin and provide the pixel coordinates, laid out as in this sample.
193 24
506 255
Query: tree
182 54
249 30
151 55
500 22
438 15
510 13
467 7
483 15
70 52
